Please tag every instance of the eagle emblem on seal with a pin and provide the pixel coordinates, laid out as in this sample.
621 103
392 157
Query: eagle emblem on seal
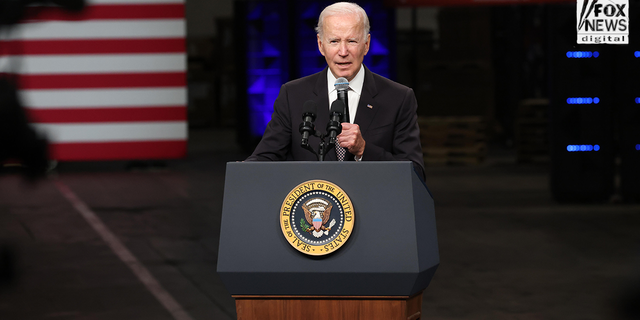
317 212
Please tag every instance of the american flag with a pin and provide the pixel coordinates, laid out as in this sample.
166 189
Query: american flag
106 83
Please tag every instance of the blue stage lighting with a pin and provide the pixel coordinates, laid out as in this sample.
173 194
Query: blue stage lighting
583 100
582 147
582 54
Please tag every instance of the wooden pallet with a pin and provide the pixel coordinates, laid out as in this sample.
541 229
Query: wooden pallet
455 155
453 140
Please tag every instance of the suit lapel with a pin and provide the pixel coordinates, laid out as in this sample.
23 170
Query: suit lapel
367 106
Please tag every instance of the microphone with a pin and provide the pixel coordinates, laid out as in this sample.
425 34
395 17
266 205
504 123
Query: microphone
307 127
334 128
342 85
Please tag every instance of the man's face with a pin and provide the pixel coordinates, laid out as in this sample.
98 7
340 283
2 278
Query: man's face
342 45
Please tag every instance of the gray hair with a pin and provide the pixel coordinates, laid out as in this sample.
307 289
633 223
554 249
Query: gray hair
344 8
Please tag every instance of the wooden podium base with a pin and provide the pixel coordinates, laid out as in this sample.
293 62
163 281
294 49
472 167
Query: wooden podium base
328 307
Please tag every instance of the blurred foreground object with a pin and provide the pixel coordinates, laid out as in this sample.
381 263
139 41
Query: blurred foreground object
7 265
12 11
108 83
18 141
629 301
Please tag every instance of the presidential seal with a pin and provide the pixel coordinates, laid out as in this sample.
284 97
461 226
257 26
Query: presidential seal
317 217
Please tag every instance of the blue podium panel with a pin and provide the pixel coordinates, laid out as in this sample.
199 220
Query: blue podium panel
392 250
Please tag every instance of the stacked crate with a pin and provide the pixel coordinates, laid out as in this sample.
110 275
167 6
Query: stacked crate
531 131
453 140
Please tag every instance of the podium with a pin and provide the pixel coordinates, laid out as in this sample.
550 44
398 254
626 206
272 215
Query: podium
379 272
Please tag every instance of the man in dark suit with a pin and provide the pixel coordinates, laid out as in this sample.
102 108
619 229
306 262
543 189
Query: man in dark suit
383 122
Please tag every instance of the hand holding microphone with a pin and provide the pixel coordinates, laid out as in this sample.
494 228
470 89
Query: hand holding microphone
348 134
351 139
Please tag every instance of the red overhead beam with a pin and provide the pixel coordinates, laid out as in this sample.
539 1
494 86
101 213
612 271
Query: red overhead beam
448 3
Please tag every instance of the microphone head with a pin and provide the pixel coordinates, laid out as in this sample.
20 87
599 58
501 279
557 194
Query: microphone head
337 107
341 84
310 108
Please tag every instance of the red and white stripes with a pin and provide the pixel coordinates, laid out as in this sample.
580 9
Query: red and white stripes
106 83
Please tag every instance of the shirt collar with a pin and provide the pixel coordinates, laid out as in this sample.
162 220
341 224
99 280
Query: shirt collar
355 84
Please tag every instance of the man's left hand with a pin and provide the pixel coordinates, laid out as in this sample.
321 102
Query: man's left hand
351 139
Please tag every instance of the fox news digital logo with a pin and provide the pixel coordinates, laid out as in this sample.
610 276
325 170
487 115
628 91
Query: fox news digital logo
603 21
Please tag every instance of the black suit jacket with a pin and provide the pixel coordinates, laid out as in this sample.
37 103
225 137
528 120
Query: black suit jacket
387 116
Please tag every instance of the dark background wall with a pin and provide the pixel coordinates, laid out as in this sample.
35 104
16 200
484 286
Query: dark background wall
461 61
487 79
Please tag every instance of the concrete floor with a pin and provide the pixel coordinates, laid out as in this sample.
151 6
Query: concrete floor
507 250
